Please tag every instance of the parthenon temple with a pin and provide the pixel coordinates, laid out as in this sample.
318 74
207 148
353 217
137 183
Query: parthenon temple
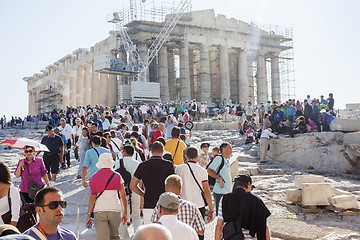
206 57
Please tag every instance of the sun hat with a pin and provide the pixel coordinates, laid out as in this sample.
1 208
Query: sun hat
105 161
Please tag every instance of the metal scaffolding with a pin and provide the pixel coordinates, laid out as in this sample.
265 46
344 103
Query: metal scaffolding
286 61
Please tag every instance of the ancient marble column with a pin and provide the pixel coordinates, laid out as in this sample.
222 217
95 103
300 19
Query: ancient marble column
163 74
73 85
261 80
143 53
80 86
104 86
185 93
95 87
87 84
275 79
243 80
205 74
112 90
172 76
224 74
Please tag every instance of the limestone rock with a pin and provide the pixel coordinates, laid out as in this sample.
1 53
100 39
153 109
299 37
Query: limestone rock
352 138
234 169
337 192
344 201
299 180
316 194
345 125
324 151
293 195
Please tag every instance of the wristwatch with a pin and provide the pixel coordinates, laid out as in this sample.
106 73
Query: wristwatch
89 213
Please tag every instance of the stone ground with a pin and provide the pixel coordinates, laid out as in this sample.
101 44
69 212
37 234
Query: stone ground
271 181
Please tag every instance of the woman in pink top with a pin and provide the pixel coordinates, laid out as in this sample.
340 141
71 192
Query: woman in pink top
36 169
106 186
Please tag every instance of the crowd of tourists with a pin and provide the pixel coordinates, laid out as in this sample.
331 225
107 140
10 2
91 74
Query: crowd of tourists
138 174
290 118
147 173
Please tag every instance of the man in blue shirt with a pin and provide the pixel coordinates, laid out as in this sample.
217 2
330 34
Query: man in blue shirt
92 158
223 178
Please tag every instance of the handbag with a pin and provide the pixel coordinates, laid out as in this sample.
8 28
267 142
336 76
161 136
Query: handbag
33 186
6 217
202 191
27 216
233 230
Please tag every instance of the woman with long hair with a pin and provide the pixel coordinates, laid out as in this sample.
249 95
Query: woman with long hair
8 190
33 166
84 145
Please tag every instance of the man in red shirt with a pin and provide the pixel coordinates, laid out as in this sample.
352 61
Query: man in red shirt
158 133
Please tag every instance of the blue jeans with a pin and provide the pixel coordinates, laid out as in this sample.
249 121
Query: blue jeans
217 200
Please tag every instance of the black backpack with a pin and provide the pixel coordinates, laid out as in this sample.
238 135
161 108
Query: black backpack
126 175
212 180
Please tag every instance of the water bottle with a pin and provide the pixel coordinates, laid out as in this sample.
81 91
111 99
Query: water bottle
88 226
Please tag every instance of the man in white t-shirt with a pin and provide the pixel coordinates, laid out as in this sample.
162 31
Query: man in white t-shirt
67 131
203 108
143 110
191 188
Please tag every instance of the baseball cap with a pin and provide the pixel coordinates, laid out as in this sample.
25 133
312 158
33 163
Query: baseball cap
48 128
169 200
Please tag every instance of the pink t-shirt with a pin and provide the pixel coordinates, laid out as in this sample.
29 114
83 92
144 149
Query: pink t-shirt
37 171
109 200
99 179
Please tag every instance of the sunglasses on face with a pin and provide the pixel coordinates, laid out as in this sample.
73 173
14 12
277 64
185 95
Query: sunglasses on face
55 204
29 151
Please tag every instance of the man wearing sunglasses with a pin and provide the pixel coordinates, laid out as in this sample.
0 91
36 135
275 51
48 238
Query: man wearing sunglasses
50 208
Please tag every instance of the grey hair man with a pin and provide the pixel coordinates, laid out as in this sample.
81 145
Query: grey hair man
152 232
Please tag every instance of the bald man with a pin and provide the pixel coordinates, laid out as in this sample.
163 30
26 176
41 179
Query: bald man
152 232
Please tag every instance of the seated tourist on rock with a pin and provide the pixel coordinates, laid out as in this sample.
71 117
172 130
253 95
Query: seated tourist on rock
315 115
312 126
326 120
278 117
299 127
283 129
249 208
266 122
249 135
49 206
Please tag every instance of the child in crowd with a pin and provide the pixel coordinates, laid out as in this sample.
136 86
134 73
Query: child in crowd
215 152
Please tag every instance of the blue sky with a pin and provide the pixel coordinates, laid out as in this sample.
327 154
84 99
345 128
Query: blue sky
34 34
